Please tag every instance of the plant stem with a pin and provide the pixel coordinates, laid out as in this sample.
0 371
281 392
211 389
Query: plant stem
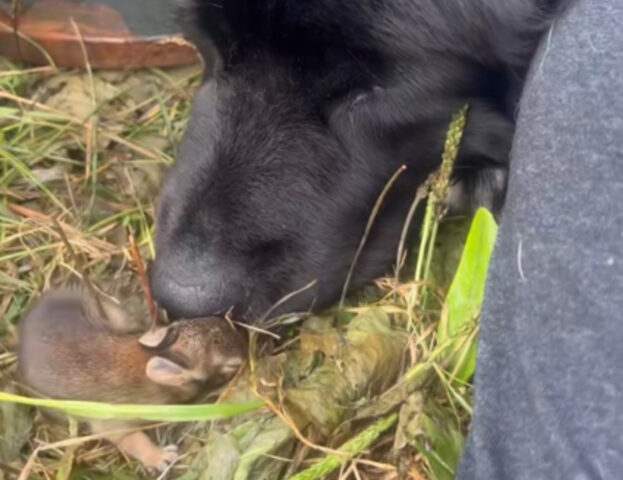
351 448
436 199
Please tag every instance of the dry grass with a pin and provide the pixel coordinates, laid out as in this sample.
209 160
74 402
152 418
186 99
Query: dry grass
91 151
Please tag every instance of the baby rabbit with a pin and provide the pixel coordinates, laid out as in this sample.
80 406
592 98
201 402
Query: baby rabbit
72 346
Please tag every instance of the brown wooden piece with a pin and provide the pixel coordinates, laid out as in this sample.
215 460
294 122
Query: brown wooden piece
108 41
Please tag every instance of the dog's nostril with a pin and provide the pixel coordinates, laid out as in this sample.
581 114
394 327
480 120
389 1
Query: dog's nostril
182 294
177 300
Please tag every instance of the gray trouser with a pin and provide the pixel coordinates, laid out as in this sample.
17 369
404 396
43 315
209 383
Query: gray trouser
549 381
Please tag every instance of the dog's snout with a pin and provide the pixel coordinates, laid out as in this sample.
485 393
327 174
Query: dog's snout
190 288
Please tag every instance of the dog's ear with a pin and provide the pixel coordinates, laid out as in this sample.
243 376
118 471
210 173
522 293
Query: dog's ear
377 121
204 27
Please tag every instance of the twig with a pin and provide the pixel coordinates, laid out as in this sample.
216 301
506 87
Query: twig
283 300
142 277
420 195
91 123
364 238
285 418
26 470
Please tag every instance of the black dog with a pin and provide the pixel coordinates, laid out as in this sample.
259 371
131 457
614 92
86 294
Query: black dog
314 105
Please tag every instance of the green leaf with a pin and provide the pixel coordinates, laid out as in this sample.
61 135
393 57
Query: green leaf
67 460
462 306
15 428
155 413
441 442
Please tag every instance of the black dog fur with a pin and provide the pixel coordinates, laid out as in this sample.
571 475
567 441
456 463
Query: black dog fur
313 106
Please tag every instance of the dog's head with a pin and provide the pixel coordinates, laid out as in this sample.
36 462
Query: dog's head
268 194
312 108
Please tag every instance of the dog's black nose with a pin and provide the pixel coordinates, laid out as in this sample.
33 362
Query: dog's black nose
192 288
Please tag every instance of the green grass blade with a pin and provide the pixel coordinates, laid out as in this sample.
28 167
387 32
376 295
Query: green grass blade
351 448
464 300
155 413
17 164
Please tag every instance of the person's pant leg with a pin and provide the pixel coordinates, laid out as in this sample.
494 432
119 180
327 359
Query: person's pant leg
549 381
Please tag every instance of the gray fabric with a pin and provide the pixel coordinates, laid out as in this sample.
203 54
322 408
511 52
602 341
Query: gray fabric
549 382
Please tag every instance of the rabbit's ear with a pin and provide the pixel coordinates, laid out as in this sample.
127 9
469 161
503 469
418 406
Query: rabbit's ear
166 372
154 338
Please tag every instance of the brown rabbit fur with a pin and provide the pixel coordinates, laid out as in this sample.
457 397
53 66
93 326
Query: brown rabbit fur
69 349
